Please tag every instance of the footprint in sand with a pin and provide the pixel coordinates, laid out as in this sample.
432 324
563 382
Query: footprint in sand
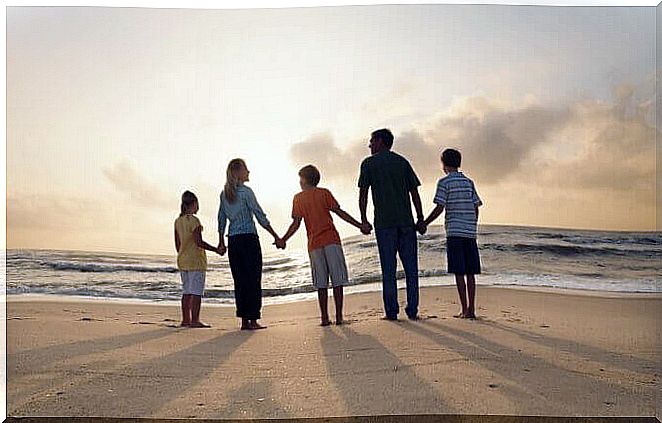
89 319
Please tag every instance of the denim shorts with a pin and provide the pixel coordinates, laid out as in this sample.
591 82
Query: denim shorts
462 256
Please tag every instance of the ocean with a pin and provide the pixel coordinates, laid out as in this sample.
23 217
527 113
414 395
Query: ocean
510 255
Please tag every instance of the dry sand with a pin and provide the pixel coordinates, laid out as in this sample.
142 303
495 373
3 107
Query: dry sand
532 353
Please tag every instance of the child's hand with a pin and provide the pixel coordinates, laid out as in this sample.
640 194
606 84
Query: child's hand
222 249
421 227
280 243
366 228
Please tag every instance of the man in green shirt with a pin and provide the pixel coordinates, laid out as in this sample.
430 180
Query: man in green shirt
393 183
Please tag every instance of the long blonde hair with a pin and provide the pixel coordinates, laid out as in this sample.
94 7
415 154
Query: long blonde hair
232 179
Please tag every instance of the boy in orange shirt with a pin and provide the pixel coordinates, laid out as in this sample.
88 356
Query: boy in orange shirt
327 260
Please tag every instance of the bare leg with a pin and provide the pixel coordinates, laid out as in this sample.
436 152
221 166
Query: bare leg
338 299
471 290
322 297
461 289
196 301
186 310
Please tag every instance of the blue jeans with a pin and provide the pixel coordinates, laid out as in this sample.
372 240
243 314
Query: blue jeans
402 241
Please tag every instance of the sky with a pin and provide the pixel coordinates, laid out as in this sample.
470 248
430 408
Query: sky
113 112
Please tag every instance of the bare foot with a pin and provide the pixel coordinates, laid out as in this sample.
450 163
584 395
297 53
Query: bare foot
460 315
254 325
185 324
470 315
199 325
325 323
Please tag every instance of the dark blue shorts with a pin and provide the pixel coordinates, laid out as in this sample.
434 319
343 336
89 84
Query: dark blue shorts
462 256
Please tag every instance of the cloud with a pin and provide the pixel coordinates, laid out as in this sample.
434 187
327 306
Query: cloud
47 220
493 140
332 162
590 162
584 145
48 212
126 179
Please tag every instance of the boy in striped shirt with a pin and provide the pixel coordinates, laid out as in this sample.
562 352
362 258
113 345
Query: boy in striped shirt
457 194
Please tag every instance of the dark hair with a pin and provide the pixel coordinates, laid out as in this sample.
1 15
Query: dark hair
451 157
188 198
310 174
385 135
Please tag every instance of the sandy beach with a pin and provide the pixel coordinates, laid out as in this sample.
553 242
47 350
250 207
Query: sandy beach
530 352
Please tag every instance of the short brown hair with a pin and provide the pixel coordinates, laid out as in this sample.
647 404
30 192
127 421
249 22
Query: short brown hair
310 174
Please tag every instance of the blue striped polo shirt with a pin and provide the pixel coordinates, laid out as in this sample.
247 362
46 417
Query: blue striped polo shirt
240 213
458 195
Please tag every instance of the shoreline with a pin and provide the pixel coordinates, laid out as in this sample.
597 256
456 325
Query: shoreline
352 290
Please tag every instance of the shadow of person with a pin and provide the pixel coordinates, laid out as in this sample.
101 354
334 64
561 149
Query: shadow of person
29 361
609 358
139 389
372 380
543 386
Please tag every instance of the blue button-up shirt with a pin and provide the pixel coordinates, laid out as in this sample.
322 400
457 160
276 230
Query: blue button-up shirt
240 213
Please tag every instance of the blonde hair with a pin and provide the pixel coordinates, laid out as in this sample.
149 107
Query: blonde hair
188 198
232 179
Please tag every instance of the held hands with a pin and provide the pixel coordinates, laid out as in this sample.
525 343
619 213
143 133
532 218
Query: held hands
366 228
421 227
280 243
221 250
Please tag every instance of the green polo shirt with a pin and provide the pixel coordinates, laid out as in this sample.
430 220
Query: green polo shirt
390 178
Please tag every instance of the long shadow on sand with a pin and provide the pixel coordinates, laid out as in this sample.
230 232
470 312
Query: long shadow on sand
139 389
27 362
609 358
256 397
372 380
540 384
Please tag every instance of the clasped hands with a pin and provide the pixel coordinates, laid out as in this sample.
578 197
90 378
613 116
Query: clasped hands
421 226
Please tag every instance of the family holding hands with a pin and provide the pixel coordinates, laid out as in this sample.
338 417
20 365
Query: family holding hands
394 187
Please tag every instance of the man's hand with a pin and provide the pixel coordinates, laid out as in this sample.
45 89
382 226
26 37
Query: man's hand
366 228
221 249
421 227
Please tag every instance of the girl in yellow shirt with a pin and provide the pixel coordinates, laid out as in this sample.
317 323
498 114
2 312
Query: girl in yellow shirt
191 260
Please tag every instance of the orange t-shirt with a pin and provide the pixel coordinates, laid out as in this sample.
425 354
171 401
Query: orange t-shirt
313 206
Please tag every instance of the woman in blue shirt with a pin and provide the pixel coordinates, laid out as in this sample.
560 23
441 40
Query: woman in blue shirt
239 205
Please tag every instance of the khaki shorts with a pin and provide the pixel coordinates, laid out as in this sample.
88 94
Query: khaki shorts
327 263
193 282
